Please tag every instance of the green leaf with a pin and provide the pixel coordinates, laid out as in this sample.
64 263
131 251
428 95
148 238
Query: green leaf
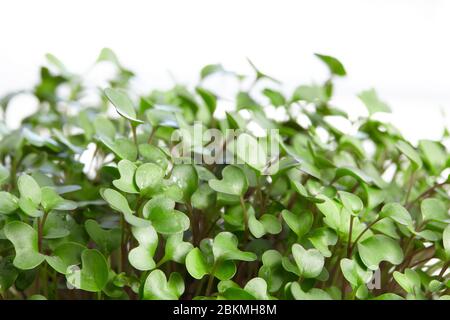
250 150
312 294
388 296
37 297
56 226
397 213
409 152
124 148
309 262
434 155
333 64
386 226
225 270
127 170
149 178
8 274
154 155
313 94
51 200
157 287
106 240
141 257
211 69
27 206
303 192
256 228
446 240
351 201
267 223
409 280
275 97
106 54
355 173
225 248
25 241
233 181
321 238
257 287
272 270
65 257
233 293
176 249
271 223
196 264
123 104
30 195
434 210
379 248
29 189
8 203
299 224
354 273
373 102
374 196
204 197
93 275
186 178
118 202
330 210
104 128
166 220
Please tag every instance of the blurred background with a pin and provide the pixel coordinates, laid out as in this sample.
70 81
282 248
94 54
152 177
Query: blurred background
399 47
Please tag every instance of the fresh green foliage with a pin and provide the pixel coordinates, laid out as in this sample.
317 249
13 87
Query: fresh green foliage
97 201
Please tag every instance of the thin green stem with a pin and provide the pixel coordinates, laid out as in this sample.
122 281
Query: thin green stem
362 233
199 287
161 262
425 193
133 131
410 185
244 211
211 279
152 134
194 223
261 199
350 231
123 249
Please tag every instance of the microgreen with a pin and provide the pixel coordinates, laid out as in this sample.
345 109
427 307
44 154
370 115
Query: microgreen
148 196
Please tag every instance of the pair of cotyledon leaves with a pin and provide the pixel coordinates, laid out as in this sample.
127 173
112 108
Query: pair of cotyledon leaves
258 227
216 257
254 289
34 200
141 257
234 182
65 259
148 180
145 180
124 148
158 212
372 248
308 262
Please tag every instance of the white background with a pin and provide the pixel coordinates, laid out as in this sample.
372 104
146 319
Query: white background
399 47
